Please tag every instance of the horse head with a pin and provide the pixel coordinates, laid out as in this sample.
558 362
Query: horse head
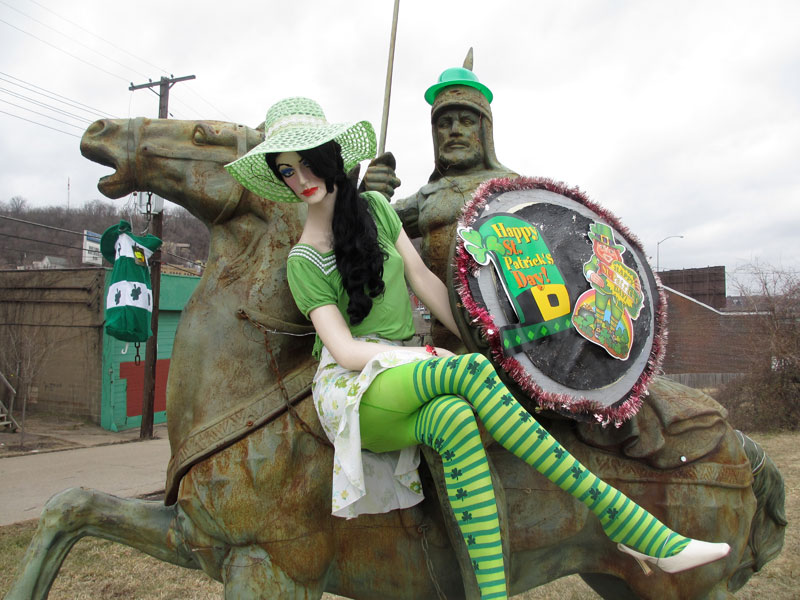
223 381
178 160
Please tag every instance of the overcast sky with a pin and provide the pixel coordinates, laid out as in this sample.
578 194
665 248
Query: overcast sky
681 117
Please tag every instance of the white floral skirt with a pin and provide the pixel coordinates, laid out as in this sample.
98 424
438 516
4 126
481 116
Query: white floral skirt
363 482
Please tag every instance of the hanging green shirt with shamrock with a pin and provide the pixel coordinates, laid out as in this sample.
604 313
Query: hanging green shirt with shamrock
129 302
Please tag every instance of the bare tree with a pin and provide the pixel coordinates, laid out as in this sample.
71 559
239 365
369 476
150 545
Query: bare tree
22 354
767 398
17 204
775 294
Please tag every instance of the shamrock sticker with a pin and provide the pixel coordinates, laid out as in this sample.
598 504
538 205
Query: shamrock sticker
478 246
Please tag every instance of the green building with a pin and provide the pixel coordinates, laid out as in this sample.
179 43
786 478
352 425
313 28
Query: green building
52 321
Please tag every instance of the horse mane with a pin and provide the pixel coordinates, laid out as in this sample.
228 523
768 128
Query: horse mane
769 522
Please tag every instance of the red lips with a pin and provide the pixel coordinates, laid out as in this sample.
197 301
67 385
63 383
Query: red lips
310 192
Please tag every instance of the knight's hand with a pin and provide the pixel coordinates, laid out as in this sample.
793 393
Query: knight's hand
380 175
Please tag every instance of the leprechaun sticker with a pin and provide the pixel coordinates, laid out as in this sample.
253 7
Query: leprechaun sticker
604 314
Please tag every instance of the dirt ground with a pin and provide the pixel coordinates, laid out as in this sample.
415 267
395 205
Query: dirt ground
45 432
15 443
101 569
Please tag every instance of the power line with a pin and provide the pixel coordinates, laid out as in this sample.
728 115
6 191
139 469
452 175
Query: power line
186 105
10 249
41 114
139 58
19 237
44 105
189 89
49 94
24 222
130 54
27 239
40 124
71 38
86 62
99 38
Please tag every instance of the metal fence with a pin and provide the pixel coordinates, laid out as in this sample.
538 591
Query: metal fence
703 381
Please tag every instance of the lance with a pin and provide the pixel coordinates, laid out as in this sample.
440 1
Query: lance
388 90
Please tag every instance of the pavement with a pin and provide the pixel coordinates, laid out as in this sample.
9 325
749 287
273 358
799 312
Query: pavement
56 453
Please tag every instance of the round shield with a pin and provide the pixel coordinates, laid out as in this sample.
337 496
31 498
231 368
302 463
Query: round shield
563 294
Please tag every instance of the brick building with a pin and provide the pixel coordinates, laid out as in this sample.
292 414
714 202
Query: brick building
84 372
705 284
707 342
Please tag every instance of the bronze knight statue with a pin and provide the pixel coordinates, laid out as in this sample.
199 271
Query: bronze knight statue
464 155
249 486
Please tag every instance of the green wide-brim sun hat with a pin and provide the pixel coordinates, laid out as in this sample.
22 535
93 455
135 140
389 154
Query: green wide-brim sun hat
297 124
457 76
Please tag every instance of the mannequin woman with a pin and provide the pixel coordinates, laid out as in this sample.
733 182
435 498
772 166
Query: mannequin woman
348 274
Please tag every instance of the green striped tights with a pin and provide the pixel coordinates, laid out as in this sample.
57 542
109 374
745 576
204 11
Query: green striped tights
430 402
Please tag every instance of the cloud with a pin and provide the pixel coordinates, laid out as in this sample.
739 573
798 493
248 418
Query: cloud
680 117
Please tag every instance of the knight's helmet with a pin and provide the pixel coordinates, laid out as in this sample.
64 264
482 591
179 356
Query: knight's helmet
460 87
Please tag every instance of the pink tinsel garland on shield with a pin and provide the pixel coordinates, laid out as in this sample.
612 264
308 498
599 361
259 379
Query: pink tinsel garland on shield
616 414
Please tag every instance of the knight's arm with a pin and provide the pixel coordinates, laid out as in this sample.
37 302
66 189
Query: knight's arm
381 177
408 211
427 286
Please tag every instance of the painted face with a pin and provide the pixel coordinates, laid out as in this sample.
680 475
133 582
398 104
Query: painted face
458 133
606 253
297 174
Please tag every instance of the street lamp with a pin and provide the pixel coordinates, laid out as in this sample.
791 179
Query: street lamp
658 248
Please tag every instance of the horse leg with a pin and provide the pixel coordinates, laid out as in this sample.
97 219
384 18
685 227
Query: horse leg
77 512
248 573
614 588
608 586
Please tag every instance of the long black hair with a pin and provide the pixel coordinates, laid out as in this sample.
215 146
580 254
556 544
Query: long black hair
359 256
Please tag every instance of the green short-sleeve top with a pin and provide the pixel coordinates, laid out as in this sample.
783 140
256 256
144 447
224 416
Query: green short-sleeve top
315 281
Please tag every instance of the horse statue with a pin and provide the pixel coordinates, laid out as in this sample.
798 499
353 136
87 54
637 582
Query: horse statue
249 481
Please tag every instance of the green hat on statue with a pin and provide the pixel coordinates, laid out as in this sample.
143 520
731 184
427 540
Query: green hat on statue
457 76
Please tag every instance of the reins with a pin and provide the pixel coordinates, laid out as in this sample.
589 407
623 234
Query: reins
288 403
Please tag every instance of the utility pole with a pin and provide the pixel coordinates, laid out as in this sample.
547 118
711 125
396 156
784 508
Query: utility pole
157 225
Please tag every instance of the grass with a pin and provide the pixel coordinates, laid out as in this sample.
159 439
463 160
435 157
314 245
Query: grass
100 569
